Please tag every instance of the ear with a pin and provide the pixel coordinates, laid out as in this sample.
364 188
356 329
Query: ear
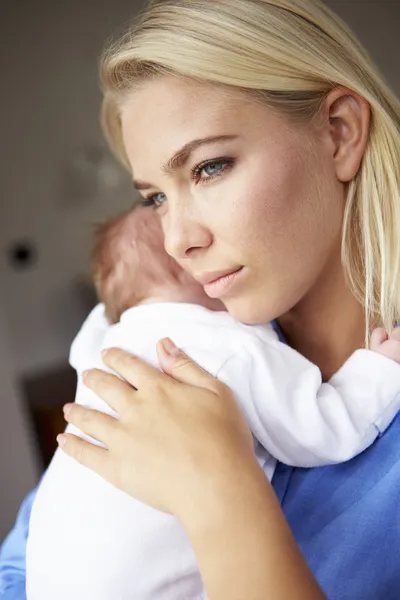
348 121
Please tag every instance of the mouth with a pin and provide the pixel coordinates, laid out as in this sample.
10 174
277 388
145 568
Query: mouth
217 284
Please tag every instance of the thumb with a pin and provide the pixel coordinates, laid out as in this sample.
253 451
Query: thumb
177 364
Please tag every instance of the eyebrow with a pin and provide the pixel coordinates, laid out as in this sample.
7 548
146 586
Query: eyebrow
180 158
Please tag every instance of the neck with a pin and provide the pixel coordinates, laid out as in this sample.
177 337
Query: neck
327 326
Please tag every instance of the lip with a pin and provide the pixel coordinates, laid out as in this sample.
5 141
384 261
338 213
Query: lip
218 283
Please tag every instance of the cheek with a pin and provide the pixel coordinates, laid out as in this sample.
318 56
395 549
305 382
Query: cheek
286 216
265 201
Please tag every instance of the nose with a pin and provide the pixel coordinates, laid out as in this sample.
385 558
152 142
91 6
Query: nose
185 235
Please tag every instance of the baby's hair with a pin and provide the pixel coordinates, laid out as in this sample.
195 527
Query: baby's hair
129 262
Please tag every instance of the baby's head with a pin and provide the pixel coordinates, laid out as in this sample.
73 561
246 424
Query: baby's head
130 266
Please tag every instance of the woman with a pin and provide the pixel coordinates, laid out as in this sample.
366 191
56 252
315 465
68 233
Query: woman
270 146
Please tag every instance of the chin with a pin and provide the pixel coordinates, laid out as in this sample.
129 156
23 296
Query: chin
246 311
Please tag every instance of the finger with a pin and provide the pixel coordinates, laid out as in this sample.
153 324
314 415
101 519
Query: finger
110 388
178 365
378 336
96 424
133 369
95 458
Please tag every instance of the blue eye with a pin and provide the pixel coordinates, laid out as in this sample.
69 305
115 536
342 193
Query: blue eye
159 199
156 200
211 168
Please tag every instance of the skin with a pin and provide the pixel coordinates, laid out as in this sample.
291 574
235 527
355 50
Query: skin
277 213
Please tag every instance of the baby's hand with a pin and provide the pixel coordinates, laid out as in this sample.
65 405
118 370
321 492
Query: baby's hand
388 345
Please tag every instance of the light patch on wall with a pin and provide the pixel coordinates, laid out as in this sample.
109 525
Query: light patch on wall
92 174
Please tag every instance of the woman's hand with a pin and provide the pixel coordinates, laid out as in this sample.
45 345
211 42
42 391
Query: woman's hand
181 445
180 431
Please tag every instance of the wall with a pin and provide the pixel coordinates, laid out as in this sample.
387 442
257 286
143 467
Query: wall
50 109
376 23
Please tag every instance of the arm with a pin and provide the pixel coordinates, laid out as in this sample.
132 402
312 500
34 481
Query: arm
181 445
244 546
302 421
12 555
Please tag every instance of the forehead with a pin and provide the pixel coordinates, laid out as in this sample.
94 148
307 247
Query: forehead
166 113
179 100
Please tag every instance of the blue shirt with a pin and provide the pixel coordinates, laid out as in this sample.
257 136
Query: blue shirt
12 555
346 520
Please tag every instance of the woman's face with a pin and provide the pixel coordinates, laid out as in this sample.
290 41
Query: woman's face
239 189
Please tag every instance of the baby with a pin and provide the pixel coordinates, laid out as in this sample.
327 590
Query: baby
90 541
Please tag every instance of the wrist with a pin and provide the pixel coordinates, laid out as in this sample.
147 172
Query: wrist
243 545
224 494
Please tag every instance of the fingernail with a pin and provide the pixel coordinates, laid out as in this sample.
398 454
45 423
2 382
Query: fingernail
61 439
104 352
66 409
170 347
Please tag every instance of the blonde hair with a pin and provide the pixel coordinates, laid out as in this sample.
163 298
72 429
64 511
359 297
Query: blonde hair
290 53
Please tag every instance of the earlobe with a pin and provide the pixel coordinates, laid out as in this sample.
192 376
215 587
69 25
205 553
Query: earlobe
349 121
